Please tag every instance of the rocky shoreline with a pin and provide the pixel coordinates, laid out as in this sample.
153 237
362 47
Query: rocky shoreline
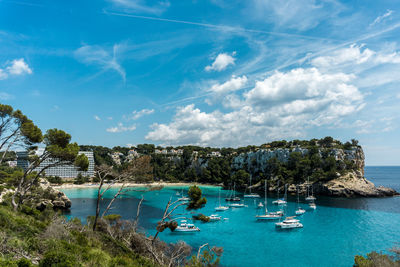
352 184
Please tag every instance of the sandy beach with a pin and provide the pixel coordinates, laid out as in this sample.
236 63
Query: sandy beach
154 184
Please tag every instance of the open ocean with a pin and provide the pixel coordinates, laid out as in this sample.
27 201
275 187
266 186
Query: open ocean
332 235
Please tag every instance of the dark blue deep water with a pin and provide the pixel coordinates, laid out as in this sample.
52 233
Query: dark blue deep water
336 231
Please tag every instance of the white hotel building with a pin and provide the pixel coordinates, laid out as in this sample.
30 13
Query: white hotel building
63 171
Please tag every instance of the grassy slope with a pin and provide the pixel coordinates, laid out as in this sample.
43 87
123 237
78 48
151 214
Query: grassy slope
49 240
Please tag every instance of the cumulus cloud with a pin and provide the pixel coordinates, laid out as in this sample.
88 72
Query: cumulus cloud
221 62
97 118
234 84
225 91
282 105
18 67
138 114
98 56
121 128
15 67
382 17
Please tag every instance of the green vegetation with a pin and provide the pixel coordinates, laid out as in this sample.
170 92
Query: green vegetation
196 200
198 164
375 259
29 236
201 217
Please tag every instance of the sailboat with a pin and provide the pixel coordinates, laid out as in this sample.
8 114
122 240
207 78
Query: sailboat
310 198
251 195
299 210
268 215
233 198
220 208
281 201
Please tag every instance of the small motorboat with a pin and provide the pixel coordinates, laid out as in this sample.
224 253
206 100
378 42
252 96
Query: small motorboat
214 218
260 205
221 208
252 195
237 205
312 205
289 223
300 211
279 202
185 227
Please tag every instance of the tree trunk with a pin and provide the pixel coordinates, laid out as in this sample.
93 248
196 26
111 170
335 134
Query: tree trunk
97 210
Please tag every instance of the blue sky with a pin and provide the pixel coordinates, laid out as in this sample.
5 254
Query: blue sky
210 73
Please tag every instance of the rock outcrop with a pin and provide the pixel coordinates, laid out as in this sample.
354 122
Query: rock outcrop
351 185
52 198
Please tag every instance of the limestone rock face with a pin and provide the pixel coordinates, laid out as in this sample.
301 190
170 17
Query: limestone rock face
352 184
54 198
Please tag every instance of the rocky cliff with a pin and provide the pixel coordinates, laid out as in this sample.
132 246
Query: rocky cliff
345 182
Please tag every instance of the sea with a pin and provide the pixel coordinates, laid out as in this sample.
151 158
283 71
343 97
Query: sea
333 234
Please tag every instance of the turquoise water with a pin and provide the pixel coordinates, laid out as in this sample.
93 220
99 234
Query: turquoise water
332 234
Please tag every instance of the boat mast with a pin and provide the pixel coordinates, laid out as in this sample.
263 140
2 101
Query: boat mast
265 196
250 184
219 197
278 190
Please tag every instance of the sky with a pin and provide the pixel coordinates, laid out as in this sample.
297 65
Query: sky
206 72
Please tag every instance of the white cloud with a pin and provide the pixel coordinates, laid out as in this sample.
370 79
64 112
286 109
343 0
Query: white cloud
234 84
109 118
398 95
355 55
382 17
283 105
141 6
15 67
138 114
221 62
121 128
96 55
18 67
97 118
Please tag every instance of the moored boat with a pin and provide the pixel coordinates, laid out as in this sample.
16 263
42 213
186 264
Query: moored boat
185 227
289 223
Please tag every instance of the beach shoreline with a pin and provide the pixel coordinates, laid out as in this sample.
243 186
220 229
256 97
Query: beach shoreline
153 184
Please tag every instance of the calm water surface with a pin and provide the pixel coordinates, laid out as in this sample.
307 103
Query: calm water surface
335 232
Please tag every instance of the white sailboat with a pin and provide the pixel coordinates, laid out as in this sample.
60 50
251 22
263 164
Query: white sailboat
220 207
299 210
233 198
251 195
268 215
310 198
281 201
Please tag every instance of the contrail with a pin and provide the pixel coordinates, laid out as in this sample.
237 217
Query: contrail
221 27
